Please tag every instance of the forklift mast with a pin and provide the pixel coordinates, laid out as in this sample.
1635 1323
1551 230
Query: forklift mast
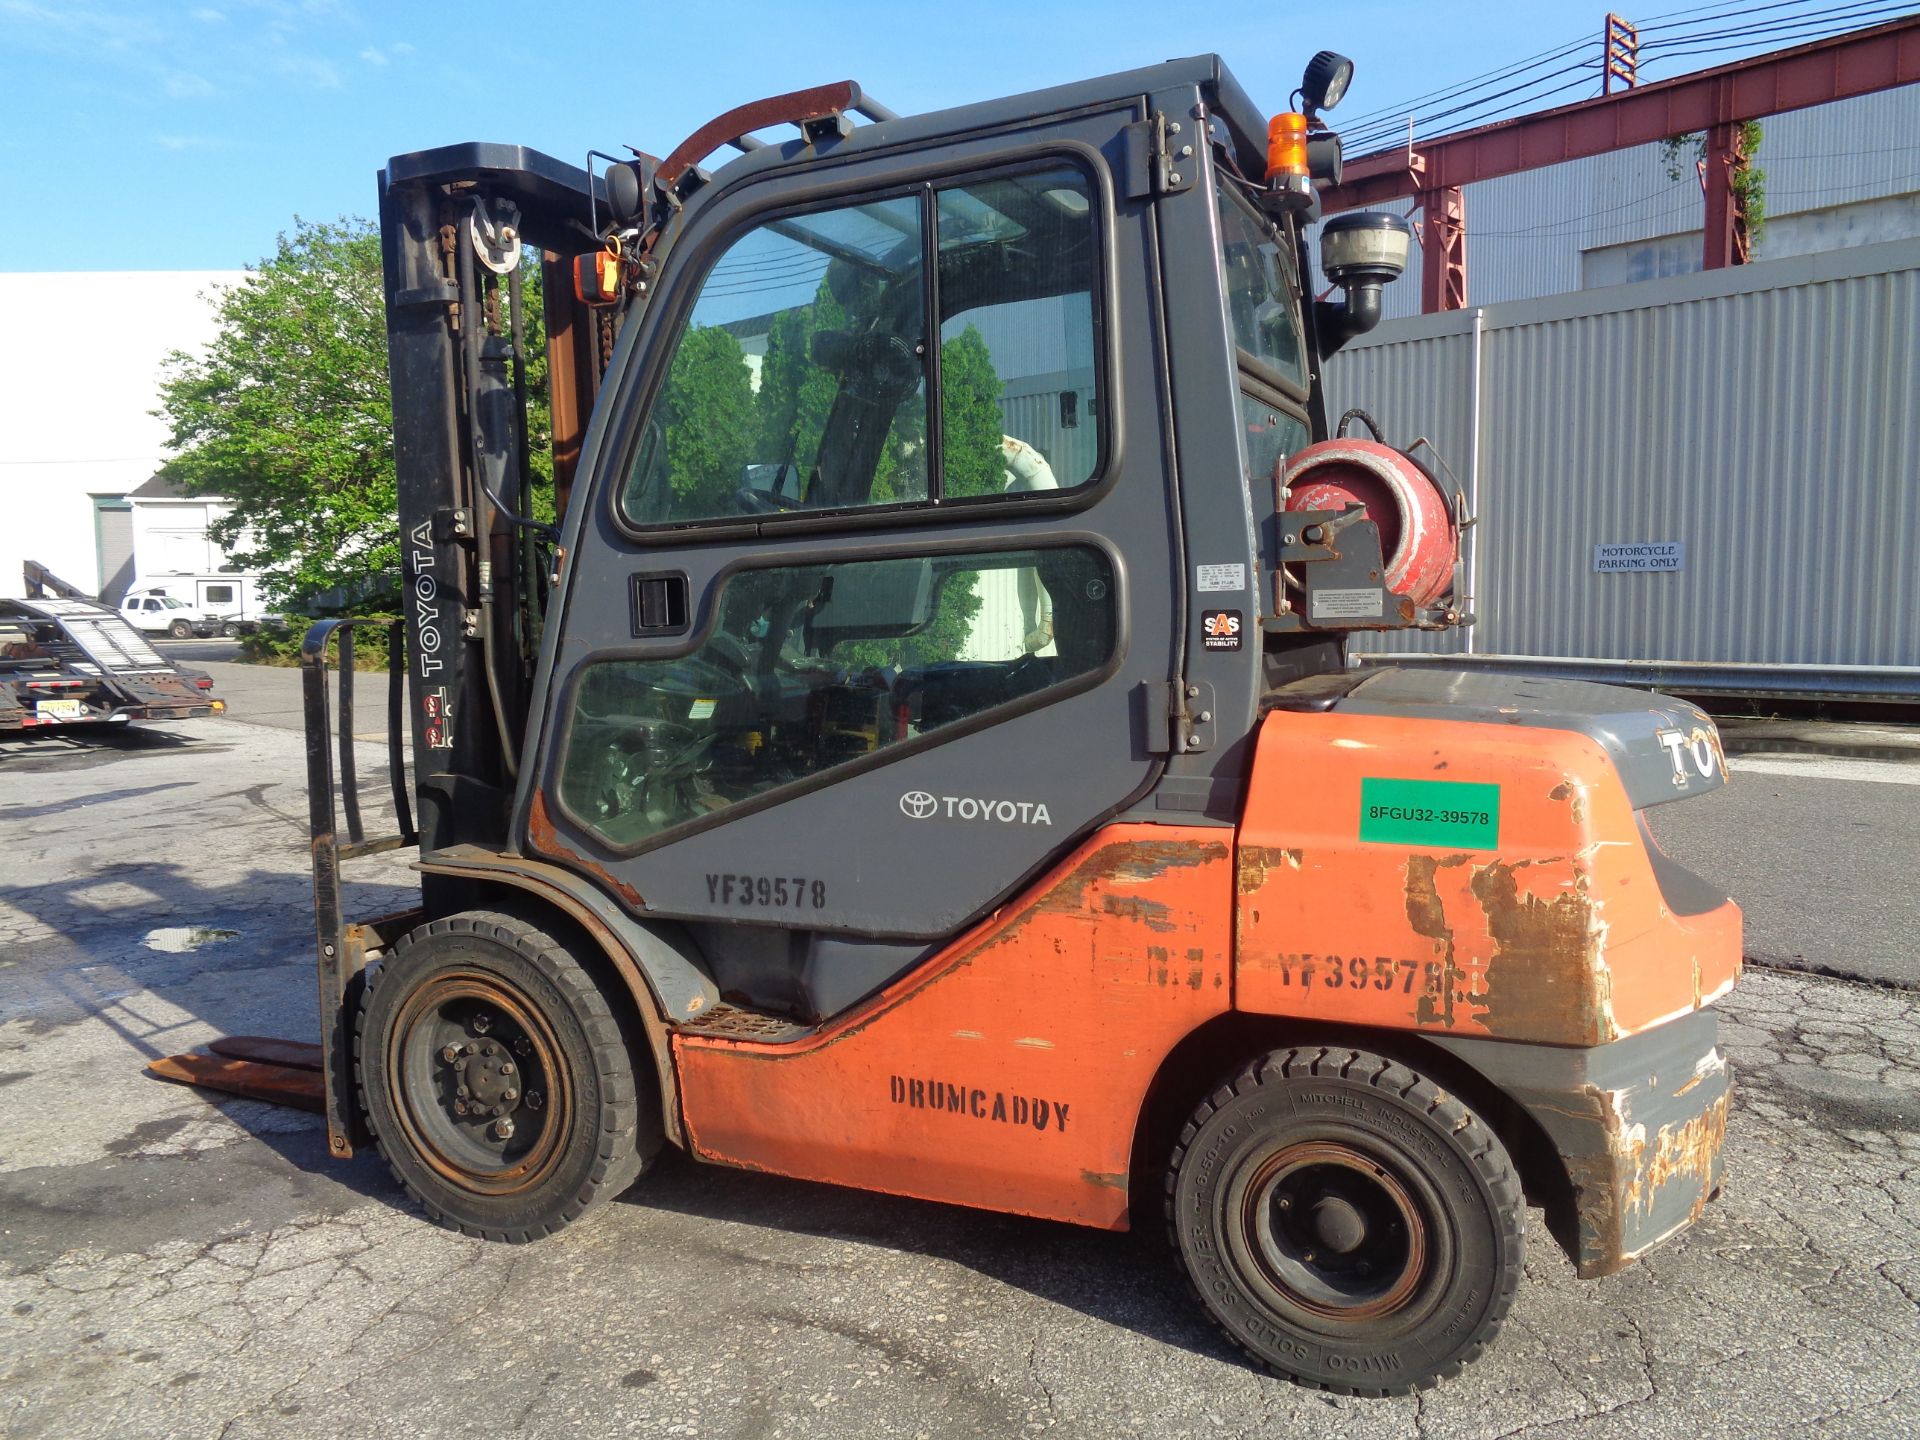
455 225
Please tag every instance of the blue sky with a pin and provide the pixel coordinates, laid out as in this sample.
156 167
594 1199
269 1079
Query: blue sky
185 135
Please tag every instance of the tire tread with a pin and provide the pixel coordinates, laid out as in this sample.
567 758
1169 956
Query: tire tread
618 1157
1487 1156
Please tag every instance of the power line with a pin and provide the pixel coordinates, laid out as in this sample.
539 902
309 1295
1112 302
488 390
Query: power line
1479 104
1804 17
1477 82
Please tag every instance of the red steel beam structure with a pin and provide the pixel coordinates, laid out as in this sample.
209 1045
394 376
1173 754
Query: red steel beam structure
1859 62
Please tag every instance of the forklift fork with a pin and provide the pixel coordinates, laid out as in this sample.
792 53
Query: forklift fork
319 1077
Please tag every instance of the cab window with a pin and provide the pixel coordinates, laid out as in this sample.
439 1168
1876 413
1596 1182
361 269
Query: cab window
1262 293
809 668
800 380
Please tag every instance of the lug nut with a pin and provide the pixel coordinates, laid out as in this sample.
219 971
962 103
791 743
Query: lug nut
450 1054
510 1095
482 1023
507 1068
459 1107
503 1129
535 1099
499 1110
463 1092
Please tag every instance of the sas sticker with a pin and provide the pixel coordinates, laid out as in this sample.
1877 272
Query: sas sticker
1448 814
1220 629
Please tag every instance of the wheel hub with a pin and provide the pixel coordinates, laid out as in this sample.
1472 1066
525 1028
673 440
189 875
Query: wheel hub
1339 1224
484 1095
1335 1232
485 1077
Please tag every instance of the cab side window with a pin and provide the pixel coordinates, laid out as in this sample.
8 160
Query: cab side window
800 380
812 667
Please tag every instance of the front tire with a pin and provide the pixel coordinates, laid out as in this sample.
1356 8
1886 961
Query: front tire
180 630
497 1080
1346 1222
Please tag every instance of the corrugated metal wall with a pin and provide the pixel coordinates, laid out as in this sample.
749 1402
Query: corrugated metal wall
1768 417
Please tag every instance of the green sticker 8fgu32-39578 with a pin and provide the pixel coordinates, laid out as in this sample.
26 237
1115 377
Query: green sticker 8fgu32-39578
1449 814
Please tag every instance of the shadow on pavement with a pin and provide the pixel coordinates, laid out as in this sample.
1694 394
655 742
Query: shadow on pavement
1129 1280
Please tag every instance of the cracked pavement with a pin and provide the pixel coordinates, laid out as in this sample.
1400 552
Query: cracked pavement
175 1264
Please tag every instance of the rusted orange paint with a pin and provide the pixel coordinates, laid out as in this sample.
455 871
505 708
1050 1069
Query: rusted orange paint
1071 996
543 838
1559 936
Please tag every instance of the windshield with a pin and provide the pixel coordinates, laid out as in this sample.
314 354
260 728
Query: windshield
1263 294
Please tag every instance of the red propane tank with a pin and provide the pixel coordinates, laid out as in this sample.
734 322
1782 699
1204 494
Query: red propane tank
1418 538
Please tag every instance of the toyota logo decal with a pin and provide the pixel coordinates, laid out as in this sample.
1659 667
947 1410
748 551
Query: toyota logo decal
918 804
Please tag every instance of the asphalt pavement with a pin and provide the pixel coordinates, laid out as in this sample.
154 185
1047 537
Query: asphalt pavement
176 1264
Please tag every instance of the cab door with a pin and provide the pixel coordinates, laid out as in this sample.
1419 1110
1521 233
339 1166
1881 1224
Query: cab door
870 609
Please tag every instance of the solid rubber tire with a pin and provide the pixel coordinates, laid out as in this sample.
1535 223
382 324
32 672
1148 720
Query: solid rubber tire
1441 1145
616 1127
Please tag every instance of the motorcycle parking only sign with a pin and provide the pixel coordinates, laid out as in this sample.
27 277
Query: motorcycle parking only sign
1643 555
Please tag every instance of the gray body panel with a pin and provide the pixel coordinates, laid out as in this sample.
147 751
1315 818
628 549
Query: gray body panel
1638 1124
1630 724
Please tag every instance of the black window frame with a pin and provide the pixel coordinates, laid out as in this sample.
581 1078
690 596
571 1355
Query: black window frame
926 184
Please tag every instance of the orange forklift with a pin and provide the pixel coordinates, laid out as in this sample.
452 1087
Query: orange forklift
924 758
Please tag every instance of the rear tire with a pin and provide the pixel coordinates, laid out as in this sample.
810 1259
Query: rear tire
1346 1222
497 1080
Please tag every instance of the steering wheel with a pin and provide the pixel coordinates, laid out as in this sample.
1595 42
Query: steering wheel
756 501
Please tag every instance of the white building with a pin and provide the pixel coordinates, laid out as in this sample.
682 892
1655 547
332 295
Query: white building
77 434
174 554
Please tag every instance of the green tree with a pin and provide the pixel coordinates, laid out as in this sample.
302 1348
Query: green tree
970 424
707 411
796 395
288 415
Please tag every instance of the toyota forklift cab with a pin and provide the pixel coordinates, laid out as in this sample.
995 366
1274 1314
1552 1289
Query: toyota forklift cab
925 757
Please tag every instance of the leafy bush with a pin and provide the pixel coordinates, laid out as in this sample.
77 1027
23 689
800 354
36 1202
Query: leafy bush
278 643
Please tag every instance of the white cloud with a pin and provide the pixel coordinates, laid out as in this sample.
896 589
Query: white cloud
178 143
309 70
206 15
184 85
373 56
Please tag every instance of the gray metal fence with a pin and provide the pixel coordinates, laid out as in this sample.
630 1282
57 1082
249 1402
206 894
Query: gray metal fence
1761 424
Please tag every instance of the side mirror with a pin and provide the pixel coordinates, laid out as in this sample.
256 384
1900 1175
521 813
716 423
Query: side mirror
1360 251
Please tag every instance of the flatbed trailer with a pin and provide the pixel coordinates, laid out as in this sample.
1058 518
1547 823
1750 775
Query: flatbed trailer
67 662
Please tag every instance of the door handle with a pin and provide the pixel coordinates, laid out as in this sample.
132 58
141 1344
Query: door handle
660 603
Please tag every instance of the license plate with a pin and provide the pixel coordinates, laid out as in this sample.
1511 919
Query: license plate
58 709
